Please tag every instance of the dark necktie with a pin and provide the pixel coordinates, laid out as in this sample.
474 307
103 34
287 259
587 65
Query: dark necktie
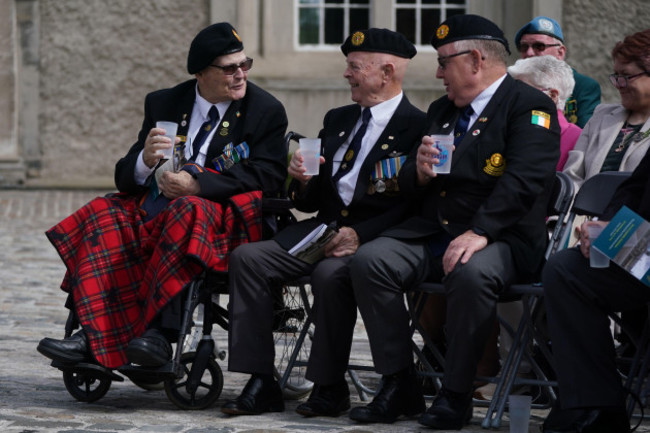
213 117
355 146
462 124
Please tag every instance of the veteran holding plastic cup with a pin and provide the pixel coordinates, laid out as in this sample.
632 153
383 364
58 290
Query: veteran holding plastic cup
435 156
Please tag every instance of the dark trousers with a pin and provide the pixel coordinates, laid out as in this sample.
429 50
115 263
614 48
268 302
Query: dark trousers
384 268
255 272
578 299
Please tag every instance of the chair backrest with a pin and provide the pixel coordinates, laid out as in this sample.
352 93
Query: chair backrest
593 197
558 206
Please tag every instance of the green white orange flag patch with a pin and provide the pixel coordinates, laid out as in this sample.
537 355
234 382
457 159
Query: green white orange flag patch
541 119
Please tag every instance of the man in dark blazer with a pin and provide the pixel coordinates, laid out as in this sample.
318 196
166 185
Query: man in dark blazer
230 143
363 146
578 300
477 229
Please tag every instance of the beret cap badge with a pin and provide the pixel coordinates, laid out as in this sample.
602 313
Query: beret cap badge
236 35
442 31
358 38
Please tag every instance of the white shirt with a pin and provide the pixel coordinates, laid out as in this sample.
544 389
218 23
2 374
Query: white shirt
198 117
381 115
480 102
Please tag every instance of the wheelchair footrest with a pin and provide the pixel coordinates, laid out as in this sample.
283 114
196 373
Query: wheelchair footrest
148 374
95 370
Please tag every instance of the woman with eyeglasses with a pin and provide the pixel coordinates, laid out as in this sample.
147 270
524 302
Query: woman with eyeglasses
618 135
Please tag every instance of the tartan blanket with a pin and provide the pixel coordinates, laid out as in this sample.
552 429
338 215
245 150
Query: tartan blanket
121 270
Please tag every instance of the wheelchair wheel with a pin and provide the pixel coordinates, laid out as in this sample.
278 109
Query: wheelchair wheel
207 392
293 332
85 386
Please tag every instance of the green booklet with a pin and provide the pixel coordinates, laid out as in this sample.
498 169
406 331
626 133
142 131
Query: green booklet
626 241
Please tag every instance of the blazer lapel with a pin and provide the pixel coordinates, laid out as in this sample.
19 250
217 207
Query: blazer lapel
224 133
337 137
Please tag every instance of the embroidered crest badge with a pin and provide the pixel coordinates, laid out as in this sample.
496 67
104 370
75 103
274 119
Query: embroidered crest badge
496 165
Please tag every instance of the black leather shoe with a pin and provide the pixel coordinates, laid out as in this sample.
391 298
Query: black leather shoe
449 411
398 395
258 396
326 400
151 349
594 420
73 349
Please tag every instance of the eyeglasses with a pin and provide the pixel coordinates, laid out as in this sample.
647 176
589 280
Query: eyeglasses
621 81
442 60
537 46
231 69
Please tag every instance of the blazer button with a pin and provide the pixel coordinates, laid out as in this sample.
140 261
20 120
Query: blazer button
443 193
445 222
345 213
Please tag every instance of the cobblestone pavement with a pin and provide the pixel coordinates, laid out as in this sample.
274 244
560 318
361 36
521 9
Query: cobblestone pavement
33 397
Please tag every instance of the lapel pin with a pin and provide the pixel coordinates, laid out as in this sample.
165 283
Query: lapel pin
446 125
390 137
476 132
384 146
341 134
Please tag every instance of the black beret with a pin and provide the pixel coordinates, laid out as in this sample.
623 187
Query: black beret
379 41
462 27
211 42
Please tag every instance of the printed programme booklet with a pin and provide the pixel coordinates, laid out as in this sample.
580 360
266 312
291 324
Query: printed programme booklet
626 241
312 247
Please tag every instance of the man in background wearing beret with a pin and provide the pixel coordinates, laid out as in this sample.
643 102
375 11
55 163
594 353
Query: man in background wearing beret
543 37
477 229
130 256
363 146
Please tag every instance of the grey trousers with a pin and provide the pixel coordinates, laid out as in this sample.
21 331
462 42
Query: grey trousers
255 272
383 269
578 299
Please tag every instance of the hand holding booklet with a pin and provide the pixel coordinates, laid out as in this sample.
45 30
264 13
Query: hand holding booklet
626 241
311 248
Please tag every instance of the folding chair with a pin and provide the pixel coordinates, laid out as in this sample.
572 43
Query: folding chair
558 205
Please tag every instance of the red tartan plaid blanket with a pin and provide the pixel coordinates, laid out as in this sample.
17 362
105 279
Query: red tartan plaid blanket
121 271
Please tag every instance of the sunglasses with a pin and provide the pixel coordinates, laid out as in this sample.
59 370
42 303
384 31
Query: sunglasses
621 81
537 46
245 66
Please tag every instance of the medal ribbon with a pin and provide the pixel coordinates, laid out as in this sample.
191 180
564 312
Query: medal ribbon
234 155
387 168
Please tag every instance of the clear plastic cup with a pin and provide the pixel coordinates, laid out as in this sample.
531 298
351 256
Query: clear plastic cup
445 144
170 132
596 258
310 151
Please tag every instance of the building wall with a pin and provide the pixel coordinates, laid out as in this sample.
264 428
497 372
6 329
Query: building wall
75 72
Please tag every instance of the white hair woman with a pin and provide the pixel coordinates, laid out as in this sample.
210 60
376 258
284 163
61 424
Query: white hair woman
555 78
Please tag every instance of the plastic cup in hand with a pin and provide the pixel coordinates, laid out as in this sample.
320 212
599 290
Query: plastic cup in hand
519 413
310 151
596 258
170 132
445 144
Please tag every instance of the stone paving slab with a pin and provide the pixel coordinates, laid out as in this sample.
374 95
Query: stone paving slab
33 398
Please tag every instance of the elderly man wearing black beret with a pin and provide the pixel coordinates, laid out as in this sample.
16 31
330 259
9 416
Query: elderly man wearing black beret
477 229
363 147
129 256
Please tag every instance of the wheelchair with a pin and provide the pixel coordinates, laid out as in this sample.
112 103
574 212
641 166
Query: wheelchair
193 378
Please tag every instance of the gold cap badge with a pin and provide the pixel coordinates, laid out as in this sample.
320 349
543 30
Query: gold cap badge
236 35
358 38
442 31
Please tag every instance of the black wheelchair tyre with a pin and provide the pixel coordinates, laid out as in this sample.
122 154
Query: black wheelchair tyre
206 394
85 386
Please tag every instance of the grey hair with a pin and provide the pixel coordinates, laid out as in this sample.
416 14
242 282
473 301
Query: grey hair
546 72
491 50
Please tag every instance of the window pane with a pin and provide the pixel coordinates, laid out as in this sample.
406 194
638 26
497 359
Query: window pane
405 1
456 2
405 19
333 26
359 19
433 2
333 1
308 26
451 12
430 22
308 1
361 2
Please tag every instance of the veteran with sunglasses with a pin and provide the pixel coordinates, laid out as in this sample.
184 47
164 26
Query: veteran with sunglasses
130 256
618 135
543 36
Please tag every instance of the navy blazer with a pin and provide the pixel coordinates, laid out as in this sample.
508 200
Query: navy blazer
368 214
501 175
258 118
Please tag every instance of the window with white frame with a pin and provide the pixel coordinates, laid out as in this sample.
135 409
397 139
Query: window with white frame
323 23
418 19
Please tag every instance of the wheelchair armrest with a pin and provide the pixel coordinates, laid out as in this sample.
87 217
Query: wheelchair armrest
272 205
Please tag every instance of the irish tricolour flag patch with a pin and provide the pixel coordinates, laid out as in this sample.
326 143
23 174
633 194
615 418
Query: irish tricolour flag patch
541 119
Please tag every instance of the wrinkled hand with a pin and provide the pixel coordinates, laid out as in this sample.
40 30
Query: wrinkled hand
344 243
174 185
462 248
583 231
426 157
297 170
154 143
